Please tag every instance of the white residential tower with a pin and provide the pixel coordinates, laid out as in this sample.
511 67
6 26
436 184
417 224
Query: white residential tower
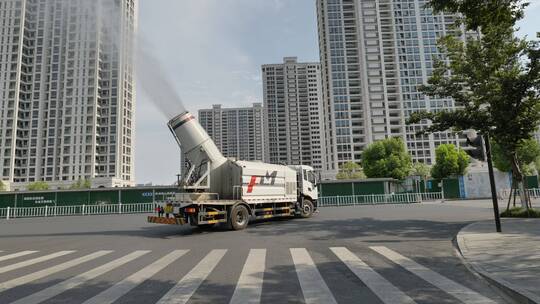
374 55
292 95
237 132
67 96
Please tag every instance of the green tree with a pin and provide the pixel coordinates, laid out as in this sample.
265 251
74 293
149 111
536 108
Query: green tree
38 186
493 76
81 184
350 170
387 158
421 169
2 186
537 165
528 154
449 161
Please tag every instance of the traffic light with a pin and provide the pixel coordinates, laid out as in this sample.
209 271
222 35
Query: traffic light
475 147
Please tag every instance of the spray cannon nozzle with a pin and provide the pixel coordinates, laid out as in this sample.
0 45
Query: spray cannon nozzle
179 120
190 135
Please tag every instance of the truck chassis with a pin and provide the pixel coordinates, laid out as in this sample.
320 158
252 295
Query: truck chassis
235 213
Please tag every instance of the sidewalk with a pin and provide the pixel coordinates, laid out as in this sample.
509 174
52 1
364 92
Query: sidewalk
510 260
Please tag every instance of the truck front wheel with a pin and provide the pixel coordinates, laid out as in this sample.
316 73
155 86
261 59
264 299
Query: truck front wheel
239 217
307 209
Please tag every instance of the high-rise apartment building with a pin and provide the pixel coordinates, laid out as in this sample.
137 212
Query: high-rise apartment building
292 94
67 91
374 55
237 132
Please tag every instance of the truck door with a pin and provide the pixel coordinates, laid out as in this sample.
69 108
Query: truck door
309 184
299 182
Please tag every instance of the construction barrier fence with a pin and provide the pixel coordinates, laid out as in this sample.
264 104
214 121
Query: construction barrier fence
87 197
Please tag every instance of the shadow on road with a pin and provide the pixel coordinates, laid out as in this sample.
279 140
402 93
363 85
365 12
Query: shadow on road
313 229
360 227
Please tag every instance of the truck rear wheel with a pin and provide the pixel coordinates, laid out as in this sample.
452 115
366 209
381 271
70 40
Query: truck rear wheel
307 209
239 217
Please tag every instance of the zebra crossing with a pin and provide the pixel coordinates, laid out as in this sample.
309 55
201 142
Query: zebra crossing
119 289
387 292
23 268
185 288
249 287
313 285
49 271
16 255
34 261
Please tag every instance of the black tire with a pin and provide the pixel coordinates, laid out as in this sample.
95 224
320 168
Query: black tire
239 217
307 209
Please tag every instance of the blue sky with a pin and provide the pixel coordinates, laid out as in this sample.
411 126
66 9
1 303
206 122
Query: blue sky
212 51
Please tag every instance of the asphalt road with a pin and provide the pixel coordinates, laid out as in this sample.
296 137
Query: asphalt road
369 254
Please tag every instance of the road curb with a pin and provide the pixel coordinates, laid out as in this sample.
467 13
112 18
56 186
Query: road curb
517 293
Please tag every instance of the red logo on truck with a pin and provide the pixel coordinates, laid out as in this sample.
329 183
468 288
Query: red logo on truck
251 184
269 176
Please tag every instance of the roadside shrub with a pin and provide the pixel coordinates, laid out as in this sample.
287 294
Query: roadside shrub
521 212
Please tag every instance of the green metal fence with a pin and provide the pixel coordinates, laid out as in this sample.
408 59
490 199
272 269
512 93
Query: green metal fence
82 202
375 199
348 200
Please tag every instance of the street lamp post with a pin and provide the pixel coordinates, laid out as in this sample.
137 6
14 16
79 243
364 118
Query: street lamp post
479 142
492 184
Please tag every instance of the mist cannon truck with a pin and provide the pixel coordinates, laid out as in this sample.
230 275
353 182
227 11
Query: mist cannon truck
216 189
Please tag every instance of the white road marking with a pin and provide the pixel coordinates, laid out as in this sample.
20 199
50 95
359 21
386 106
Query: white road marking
16 255
185 288
249 286
459 291
313 286
52 270
75 281
123 287
387 292
34 261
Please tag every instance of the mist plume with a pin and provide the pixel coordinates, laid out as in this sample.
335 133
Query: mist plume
152 78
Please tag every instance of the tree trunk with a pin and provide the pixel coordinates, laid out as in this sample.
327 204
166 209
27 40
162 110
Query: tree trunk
515 195
510 196
518 176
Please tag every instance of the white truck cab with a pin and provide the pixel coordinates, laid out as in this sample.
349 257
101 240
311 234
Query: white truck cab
307 182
